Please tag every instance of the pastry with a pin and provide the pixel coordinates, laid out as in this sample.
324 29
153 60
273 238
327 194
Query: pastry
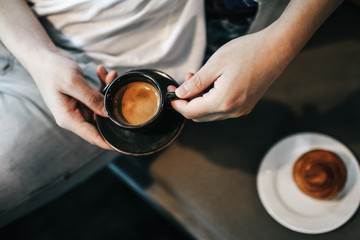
320 174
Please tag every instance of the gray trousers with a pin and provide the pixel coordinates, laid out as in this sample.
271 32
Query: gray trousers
38 160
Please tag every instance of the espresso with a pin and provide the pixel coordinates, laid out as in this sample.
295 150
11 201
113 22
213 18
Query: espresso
136 103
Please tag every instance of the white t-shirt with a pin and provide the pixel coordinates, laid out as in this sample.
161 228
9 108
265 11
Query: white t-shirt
168 35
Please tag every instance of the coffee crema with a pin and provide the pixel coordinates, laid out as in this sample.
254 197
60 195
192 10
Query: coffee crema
136 103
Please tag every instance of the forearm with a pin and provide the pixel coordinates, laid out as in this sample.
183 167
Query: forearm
23 35
298 23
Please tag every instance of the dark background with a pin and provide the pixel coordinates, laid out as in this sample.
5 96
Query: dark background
103 207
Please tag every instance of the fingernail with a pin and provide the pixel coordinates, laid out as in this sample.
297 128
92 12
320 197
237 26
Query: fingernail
182 91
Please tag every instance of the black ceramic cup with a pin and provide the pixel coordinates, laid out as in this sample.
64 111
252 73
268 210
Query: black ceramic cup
136 99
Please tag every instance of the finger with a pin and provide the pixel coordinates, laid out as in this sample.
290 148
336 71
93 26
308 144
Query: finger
110 76
171 88
197 83
188 76
211 117
89 133
101 72
105 76
197 107
90 97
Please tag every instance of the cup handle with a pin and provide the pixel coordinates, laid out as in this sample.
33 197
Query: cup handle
171 96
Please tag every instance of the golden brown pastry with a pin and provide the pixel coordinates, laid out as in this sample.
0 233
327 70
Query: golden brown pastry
321 174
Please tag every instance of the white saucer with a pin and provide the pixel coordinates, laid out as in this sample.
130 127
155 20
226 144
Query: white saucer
284 201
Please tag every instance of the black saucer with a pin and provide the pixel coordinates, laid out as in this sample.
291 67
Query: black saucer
148 140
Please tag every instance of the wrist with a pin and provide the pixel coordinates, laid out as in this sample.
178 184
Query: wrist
284 41
300 20
39 60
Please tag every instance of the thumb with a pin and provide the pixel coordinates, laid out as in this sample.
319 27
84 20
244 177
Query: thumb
89 96
199 82
94 100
